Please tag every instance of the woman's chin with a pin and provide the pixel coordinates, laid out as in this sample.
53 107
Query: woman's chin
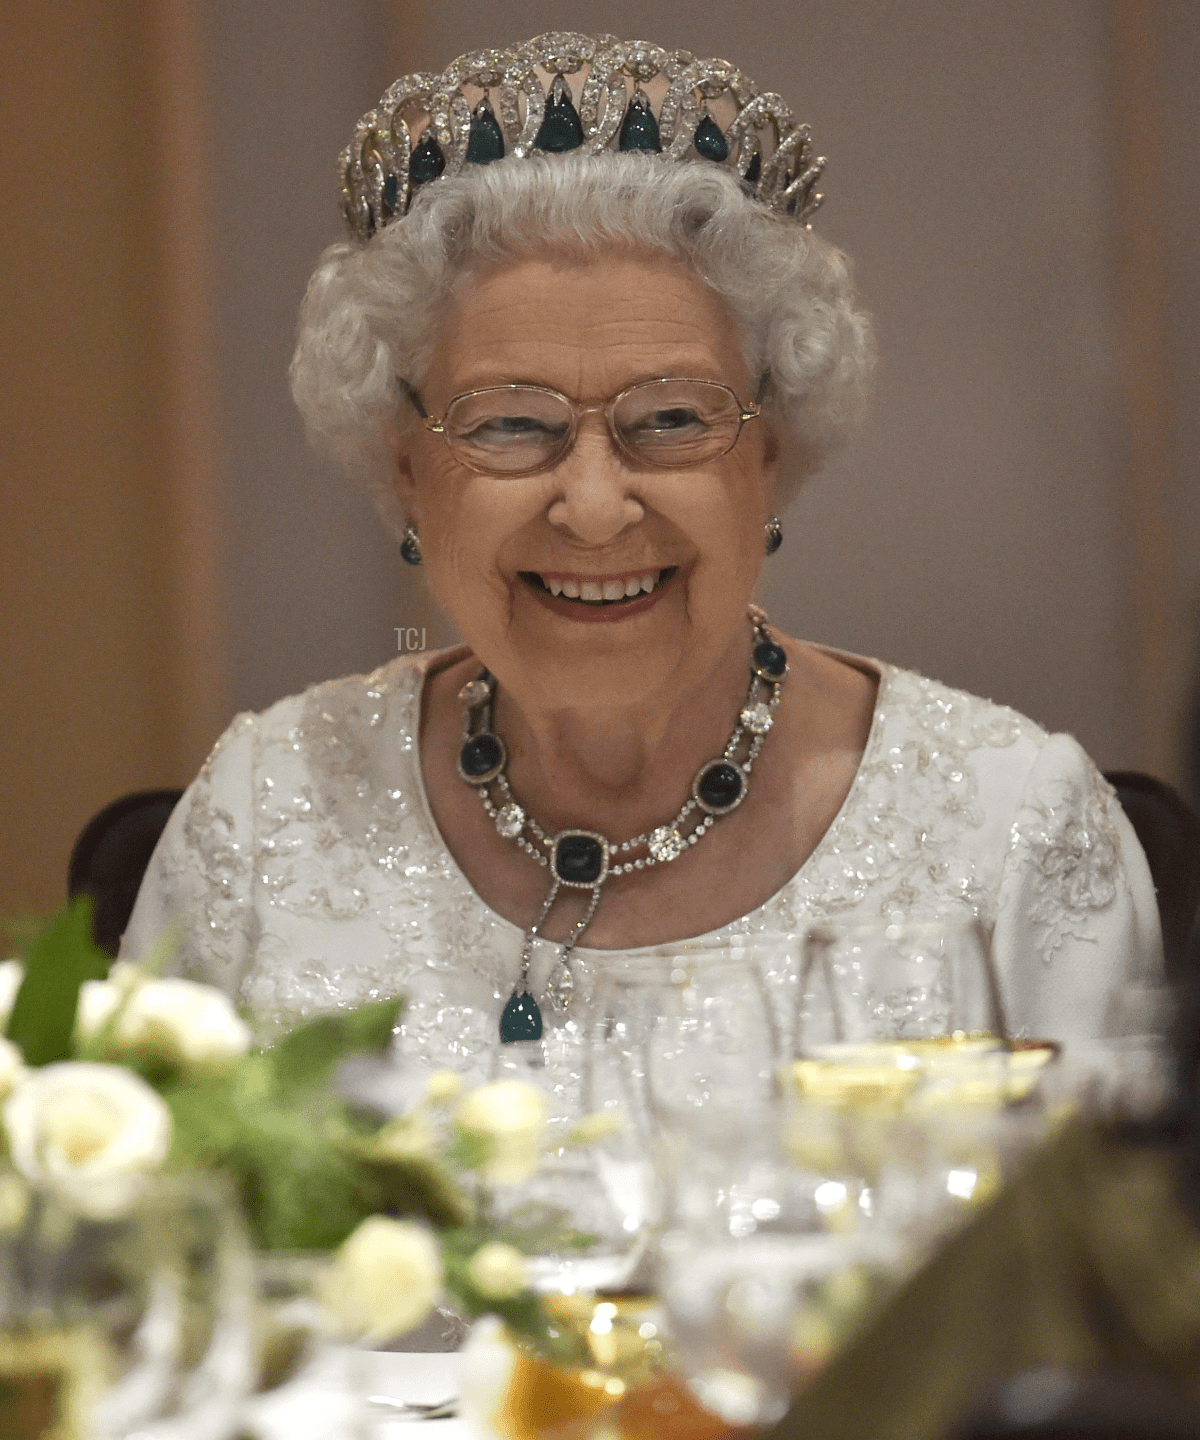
602 655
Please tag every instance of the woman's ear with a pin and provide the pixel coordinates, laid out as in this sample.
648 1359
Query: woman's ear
405 481
772 456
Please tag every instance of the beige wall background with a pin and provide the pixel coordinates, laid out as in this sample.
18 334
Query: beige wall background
1020 515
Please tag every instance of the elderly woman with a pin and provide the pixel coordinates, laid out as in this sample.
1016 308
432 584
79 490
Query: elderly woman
582 346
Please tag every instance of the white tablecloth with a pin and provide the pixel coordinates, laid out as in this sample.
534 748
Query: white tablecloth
320 1404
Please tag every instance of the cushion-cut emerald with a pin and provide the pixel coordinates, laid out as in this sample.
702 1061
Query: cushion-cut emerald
578 858
769 660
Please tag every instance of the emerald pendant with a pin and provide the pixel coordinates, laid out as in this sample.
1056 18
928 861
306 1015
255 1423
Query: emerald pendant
561 129
710 141
486 141
390 197
639 129
427 162
522 1020
754 169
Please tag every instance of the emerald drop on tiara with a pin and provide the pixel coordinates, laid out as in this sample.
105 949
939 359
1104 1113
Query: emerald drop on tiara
561 129
391 195
639 129
428 162
486 141
710 141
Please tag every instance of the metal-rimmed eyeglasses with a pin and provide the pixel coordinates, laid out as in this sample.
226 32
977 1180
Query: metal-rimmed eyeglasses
518 430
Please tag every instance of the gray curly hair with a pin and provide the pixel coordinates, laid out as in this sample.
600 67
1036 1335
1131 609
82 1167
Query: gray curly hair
371 313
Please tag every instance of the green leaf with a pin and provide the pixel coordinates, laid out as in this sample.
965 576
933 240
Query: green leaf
420 1187
301 1187
57 962
309 1054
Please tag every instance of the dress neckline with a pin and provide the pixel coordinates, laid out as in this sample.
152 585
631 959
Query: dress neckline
425 666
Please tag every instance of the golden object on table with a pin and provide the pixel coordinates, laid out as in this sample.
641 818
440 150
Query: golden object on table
620 1336
625 1393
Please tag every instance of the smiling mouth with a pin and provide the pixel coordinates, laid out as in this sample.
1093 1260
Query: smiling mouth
598 594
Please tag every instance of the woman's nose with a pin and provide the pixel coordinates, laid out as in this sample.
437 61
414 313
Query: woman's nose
596 501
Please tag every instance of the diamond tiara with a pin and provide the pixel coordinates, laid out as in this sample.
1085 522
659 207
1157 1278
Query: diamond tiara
427 125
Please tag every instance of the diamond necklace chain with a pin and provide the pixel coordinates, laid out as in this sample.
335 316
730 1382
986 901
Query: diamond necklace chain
585 859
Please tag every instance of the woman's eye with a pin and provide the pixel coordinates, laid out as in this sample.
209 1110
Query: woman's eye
679 418
513 427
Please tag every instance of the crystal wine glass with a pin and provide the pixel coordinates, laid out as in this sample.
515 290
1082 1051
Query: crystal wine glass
686 1042
769 1265
926 984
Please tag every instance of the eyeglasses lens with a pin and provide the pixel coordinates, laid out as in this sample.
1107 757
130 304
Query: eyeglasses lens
677 422
509 431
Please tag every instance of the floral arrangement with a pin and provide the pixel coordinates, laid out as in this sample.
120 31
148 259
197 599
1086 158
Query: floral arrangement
110 1073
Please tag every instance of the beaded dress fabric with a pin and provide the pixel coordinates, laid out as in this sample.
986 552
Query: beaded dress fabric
306 868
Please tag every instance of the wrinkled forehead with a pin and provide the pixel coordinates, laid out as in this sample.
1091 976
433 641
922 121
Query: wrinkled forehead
586 327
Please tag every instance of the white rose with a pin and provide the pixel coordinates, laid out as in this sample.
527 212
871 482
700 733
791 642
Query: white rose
498 1271
12 972
384 1279
176 1020
12 1068
90 1134
508 1119
97 1003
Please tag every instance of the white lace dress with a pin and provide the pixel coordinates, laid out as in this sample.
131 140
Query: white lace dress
306 868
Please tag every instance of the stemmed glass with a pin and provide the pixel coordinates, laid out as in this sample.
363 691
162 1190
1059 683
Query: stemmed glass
666 1045
900 1030
895 984
693 1042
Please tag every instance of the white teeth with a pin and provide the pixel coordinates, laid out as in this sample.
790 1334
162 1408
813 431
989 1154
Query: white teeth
608 590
